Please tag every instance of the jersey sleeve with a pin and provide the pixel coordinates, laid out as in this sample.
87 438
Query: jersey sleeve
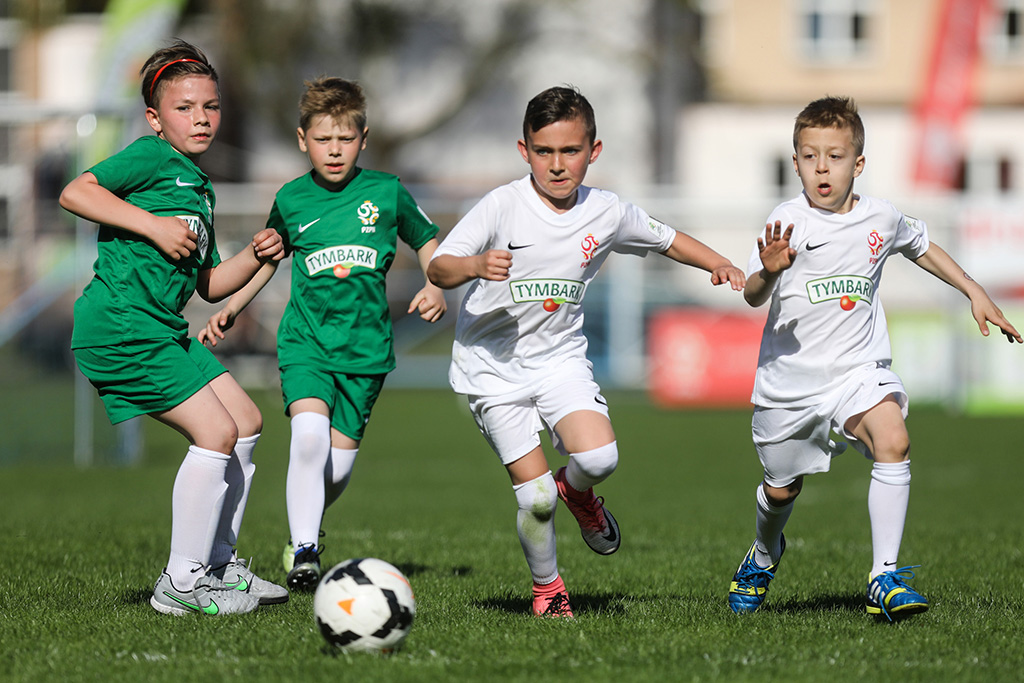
275 221
911 237
129 170
639 234
414 226
472 235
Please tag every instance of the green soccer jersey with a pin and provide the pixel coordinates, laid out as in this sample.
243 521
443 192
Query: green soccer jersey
137 292
342 244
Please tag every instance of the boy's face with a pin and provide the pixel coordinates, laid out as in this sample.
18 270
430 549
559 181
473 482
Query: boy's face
827 163
187 114
558 155
333 147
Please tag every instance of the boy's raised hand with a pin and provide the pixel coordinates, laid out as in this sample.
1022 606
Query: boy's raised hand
776 254
268 246
494 264
216 326
430 302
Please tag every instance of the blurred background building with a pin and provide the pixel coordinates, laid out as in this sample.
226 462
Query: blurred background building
695 101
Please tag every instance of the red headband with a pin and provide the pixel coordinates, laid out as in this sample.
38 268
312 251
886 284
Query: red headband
152 85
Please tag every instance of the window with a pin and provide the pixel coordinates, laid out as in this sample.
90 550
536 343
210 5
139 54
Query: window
1006 36
984 175
836 30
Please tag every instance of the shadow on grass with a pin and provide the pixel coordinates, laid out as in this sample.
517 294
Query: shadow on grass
137 596
582 603
411 569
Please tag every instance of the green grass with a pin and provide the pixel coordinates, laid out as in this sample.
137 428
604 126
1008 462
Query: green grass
82 548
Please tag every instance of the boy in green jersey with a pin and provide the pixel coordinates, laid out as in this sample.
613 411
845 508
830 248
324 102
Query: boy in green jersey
156 247
341 223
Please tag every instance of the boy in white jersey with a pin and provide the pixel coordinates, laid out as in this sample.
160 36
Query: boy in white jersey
531 249
825 355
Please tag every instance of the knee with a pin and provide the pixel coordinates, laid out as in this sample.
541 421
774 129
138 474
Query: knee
249 420
538 497
784 495
222 439
598 463
892 448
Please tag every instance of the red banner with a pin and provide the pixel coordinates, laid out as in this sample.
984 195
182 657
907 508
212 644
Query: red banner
703 358
947 92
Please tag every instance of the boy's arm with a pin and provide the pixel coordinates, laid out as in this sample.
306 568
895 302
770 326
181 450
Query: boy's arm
776 256
940 264
448 271
85 197
692 252
214 284
224 318
429 300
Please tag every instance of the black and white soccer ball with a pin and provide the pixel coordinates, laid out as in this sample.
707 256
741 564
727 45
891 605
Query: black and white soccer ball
366 605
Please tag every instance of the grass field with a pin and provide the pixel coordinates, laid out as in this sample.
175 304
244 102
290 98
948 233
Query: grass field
82 548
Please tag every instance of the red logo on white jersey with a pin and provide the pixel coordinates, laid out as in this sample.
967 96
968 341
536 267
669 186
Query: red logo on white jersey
589 246
875 245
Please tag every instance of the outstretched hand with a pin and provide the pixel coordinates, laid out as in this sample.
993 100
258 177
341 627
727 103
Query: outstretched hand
430 303
985 311
774 250
218 323
731 274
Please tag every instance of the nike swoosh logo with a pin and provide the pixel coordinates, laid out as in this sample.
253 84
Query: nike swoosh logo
888 564
812 248
302 228
513 247
885 384
240 585
210 609
601 400
611 535
181 183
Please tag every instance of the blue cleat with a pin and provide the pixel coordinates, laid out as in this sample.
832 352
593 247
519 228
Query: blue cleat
889 594
750 583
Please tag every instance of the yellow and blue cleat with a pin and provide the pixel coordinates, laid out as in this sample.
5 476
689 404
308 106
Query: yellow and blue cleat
889 595
750 583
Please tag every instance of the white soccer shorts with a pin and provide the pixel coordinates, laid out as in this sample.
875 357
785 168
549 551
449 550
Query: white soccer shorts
793 442
512 423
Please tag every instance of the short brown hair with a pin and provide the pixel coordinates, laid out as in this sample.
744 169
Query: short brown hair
166 64
831 112
335 97
561 103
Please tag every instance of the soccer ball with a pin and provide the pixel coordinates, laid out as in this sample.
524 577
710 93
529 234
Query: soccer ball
366 605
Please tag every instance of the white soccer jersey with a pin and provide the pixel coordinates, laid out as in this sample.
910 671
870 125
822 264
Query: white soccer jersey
511 334
825 316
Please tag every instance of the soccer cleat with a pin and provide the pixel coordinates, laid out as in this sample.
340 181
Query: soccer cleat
597 526
750 583
237 575
305 572
209 596
551 600
889 595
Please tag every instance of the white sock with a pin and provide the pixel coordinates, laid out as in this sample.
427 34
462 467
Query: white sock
888 498
589 468
304 490
771 520
535 522
238 477
338 473
196 504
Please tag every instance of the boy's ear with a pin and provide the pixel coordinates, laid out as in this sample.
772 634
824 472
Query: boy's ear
153 118
521 144
302 139
366 134
858 166
595 150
